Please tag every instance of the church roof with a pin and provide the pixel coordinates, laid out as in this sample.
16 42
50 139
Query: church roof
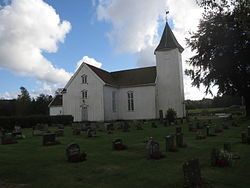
168 41
56 101
132 77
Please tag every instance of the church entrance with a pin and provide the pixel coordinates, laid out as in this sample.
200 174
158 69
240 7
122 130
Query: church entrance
84 113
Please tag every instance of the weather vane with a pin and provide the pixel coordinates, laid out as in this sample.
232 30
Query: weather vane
167 12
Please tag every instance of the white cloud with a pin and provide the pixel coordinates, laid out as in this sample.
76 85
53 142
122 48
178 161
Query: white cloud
135 27
27 29
88 60
134 23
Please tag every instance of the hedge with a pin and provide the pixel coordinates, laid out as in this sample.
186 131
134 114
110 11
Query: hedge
8 122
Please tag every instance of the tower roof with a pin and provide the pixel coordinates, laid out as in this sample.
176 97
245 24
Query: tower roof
168 41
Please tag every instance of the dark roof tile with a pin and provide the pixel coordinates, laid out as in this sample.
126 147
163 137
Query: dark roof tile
132 77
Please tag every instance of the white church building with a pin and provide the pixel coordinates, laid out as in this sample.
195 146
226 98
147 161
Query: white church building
94 94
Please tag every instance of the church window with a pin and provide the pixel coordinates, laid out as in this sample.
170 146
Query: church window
130 101
84 94
114 101
84 79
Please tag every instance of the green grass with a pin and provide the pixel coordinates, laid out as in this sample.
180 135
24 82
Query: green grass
28 162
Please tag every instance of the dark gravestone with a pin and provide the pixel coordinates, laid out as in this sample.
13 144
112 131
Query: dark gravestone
169 145
214 156
244 137
227 147
208 128
117 144
218 130
225 126
40 129
200 135
153 150
179 140
59 132
91 132
139 126
248 130
161 116
192 174
191 127
165 123
125 127
74 154
17 132
76 131
178 130
49 139
153 125
8 139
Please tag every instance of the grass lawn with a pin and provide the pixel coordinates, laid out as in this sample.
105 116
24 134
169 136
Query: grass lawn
34 165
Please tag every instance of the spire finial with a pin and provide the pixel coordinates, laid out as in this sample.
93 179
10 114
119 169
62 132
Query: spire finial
167 12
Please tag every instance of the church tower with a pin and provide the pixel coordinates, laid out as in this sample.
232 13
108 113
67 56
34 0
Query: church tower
169 80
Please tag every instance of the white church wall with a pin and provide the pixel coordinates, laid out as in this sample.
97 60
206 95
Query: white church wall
110 109
144 103
73 101
55 110
170 91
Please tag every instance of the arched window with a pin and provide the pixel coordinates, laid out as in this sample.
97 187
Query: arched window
84 79
84 94
130 101
114 101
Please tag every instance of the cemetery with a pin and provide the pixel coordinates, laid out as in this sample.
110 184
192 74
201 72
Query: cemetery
179 154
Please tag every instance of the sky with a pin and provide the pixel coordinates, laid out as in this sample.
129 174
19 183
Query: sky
42 42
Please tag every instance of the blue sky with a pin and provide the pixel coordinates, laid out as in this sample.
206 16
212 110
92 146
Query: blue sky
119 34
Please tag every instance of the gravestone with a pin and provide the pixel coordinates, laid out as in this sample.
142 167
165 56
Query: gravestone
192 174
191 127
161 116
17 132
109 127
74 154
117 144
139 126
76 131
125 127
179 140
169 143
40 129
225 126
208 128
49 139
200 135
244 137
59 132
178 130
218 130
227 147
165 123
91 132
214 156
8 138
153 125
153 150
248 130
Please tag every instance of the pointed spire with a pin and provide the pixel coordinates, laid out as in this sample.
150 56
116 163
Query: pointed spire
168 40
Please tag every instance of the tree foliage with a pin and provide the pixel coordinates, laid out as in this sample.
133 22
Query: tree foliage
24 105
222 46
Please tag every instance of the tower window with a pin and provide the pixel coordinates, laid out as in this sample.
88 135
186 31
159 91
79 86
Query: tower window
84 79
84 94
114 101
130 101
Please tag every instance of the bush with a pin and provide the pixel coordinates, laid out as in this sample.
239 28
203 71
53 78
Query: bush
30 121
171 115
